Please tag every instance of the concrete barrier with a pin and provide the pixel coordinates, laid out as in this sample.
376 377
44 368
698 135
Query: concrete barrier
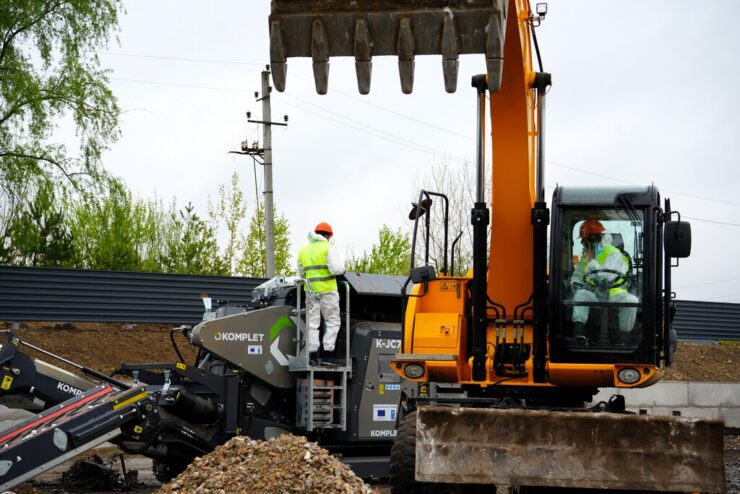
691 399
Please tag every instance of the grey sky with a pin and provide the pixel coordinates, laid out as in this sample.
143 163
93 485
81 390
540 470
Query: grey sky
642 93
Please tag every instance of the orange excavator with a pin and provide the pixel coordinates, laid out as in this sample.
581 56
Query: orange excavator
505 357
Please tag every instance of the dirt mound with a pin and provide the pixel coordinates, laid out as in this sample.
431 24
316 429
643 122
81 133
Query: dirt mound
104 347
282 465
710 362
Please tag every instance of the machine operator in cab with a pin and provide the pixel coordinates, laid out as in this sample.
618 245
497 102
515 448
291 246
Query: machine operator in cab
319 264
601 268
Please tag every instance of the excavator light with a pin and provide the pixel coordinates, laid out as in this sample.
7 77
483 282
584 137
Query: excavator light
414 371
628 375
541 9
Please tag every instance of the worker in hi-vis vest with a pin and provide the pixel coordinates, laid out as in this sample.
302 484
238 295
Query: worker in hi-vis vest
319 264
601 262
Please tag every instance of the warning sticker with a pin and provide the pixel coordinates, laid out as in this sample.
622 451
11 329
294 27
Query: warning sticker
7 382
448 287
254 350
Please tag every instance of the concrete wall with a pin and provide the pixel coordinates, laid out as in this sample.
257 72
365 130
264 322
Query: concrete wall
692 399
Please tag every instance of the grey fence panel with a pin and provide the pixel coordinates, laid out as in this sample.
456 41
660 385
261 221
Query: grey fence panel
697 320
43 294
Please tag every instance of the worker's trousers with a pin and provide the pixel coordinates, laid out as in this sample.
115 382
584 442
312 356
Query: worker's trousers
323 304
627 315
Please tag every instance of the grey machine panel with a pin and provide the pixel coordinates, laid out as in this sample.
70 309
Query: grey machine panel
377 395
258 341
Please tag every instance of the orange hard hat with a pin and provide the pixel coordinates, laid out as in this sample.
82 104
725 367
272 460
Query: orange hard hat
591 227
323 228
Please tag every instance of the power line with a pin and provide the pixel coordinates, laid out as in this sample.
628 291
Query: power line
384 135
392 136
181 59
632 183
175 84
410 144
299 76
393 112
707 283
712 221
381 108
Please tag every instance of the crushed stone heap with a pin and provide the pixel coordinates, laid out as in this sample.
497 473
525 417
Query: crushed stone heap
288 464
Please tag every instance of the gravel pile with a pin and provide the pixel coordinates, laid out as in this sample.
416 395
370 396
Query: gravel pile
288 464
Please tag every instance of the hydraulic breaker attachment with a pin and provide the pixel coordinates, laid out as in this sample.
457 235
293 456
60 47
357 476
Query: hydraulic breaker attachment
68 429
569 449
321 29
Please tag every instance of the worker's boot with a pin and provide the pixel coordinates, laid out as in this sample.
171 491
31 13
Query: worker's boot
579 333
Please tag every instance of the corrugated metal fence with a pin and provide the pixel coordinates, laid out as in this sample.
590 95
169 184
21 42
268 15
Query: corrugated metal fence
707 320
42 294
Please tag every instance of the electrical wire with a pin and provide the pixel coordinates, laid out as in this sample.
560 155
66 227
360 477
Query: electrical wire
419 147
181 59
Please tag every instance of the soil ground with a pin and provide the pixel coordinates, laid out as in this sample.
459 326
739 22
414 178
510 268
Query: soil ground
104 347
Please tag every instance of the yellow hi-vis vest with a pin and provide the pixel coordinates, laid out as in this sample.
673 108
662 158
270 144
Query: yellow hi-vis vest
601 259
313 259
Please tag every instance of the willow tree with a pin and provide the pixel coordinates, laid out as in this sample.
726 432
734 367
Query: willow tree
50 73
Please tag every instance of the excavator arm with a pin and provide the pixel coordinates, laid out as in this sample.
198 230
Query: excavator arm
496 334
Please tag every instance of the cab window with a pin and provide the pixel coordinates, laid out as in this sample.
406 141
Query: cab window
601 278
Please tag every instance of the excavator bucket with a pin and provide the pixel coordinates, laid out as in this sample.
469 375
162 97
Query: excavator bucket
569 449
321 29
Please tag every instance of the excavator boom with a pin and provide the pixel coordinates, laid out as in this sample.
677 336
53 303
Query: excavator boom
505 335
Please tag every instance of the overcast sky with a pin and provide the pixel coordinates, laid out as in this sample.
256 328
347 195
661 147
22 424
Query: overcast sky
642 93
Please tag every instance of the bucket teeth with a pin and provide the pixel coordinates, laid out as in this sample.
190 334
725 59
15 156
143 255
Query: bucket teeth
404 28
450 53
363 56
406 55
278 67
320 56
494 52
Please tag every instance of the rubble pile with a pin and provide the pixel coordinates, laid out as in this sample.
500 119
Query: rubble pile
288 464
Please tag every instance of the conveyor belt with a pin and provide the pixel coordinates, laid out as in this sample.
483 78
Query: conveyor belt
66 430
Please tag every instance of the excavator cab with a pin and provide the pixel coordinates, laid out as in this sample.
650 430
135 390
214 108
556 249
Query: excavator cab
606 258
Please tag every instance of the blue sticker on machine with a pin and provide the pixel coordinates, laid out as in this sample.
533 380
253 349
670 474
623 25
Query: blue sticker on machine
384 413
393 387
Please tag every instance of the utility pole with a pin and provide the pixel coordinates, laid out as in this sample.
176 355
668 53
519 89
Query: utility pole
266 154
267 144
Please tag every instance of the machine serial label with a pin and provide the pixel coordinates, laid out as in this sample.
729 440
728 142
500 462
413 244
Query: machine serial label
383 433
69 389
251 337
384 413
388 343
254 350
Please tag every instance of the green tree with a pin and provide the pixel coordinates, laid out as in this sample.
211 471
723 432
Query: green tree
390 255
253 259
191 247
230 209
111 231
39 235
49 70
